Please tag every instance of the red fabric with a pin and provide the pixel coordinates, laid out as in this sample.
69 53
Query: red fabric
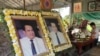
84 23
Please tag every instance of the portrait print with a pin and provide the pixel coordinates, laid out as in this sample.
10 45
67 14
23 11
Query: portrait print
55 32
30 36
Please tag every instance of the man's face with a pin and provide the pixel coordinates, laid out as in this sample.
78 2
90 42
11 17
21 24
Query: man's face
93 26
54 28
29 31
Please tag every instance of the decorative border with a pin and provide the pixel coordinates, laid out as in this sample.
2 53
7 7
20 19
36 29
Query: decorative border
65 46
17 49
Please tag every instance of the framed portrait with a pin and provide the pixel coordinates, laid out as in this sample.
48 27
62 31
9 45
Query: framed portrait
27 33
28 28
77 7
56 32
91 6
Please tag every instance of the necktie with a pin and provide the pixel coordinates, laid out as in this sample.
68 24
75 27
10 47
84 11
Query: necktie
33 47
58 39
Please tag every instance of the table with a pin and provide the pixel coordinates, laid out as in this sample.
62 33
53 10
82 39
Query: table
80 44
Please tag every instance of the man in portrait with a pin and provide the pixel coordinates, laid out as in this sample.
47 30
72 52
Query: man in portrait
56 36
31 45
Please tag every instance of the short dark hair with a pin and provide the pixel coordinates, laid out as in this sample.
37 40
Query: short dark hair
92 24
24 26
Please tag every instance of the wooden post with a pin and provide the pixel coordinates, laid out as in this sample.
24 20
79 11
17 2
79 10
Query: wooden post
24 4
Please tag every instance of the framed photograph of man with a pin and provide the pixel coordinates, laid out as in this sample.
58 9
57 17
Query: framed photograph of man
30 35
26 33
56 33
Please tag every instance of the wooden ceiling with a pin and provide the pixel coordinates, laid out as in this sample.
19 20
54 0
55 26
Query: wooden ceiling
30 4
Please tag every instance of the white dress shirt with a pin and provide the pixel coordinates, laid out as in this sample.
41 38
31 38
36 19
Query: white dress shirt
54 38
99 37
26 46
97 33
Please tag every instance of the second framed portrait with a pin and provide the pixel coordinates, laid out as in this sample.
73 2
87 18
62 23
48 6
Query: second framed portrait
56 32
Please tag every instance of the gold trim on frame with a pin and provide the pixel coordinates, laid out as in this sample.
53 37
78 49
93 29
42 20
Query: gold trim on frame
8 13
56 15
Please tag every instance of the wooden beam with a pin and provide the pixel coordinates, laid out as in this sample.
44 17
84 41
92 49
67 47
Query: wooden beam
5 3
18 2
32 4
24 4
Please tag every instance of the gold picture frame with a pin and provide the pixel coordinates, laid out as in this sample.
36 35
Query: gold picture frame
12 15
55 18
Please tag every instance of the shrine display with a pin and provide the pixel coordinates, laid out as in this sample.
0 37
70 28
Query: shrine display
30 33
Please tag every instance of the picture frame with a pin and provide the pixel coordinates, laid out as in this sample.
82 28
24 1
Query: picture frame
56 19
20 22
53 20
77 7
91 6
97 6
15 19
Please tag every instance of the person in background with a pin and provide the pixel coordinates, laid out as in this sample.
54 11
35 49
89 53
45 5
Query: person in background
95 32
31 45
72 29
56 36
99 37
